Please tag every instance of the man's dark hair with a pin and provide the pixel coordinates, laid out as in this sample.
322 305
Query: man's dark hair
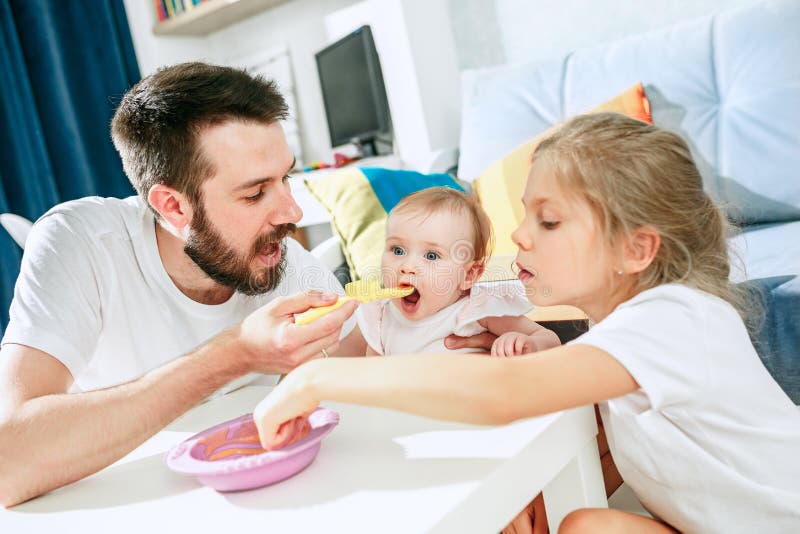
156 126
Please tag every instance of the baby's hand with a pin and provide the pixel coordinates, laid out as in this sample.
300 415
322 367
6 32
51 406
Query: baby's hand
513 344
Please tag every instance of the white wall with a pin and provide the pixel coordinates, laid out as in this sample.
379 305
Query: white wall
483 32
297 24
492 32
476 33
157 51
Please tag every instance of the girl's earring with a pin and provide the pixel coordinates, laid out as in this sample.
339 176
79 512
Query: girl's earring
619 272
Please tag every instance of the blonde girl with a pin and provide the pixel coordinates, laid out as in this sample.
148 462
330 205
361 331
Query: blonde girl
616 223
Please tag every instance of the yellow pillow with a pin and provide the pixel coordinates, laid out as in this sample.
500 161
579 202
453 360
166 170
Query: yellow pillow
501 185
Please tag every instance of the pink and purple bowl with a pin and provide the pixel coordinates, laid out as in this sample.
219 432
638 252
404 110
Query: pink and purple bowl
229 457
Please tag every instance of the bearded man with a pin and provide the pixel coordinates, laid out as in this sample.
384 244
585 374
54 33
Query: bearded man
128 312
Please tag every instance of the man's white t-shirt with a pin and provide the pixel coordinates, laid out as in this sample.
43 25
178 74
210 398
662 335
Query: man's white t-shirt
710 442
93 293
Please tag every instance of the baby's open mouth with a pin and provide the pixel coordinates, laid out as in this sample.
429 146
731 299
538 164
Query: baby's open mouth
409 302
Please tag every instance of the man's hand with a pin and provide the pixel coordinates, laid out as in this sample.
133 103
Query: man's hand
479 341
513 344
276 345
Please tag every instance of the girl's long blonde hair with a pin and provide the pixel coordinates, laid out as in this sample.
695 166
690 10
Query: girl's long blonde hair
634 174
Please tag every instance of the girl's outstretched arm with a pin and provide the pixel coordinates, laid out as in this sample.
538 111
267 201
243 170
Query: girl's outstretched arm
455 387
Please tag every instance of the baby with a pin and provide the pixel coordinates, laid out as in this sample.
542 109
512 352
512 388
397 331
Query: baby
437 241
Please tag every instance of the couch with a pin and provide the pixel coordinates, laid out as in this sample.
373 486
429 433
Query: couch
729 84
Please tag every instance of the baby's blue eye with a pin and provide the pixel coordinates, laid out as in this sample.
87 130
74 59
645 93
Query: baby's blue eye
431 256
398 251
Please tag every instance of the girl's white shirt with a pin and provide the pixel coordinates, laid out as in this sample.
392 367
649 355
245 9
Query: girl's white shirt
710 442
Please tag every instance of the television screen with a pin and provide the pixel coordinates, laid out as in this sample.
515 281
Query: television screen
353 91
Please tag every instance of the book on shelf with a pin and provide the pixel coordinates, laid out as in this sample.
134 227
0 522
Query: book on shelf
161 10
167 9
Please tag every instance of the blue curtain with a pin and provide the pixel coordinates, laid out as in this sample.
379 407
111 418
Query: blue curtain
64 65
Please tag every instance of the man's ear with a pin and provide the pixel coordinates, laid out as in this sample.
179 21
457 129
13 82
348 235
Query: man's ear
641 248
172 205
474 272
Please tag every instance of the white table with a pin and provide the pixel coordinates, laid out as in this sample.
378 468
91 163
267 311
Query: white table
379 471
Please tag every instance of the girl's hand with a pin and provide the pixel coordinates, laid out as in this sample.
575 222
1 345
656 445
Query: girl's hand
282 416
513 344
289 432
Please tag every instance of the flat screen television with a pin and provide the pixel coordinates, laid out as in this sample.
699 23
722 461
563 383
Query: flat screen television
355 97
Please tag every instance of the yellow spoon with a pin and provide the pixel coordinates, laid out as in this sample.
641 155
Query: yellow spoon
362 291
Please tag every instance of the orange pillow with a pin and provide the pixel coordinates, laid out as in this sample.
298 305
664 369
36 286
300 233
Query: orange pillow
501 185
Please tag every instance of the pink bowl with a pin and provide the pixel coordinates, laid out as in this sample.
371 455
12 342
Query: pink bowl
228 456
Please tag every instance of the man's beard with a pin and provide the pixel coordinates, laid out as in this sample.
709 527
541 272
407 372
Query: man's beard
228 268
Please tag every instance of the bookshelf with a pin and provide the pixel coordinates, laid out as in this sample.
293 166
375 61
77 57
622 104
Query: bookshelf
211 15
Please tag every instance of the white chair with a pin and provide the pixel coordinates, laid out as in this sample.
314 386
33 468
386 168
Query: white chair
17 227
